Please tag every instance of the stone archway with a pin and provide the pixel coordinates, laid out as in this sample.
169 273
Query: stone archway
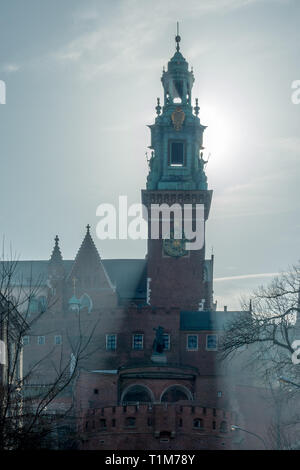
176 393
137 393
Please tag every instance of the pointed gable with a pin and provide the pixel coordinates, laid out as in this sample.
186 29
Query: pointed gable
88 269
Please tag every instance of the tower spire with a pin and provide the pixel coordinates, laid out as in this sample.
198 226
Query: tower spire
56 256
177 38
56 266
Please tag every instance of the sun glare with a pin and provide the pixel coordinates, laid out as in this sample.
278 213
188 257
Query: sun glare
221 135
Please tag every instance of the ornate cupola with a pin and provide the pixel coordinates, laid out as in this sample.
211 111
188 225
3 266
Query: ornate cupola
176 137
177 81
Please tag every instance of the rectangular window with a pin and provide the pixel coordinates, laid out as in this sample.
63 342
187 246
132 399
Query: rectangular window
138 341
166 341
192 342
176 153
212 342
25 340
41 339
111 342
102 423
57 339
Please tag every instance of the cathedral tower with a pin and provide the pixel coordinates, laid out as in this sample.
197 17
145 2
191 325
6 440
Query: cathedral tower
176 276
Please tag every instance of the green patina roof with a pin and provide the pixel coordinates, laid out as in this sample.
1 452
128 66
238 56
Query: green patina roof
205 321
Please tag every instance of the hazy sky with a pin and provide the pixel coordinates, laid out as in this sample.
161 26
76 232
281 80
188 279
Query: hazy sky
82 79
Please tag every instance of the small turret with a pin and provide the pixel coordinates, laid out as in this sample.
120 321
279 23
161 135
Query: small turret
56 266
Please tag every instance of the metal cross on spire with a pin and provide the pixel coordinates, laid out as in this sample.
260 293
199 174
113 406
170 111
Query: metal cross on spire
177 38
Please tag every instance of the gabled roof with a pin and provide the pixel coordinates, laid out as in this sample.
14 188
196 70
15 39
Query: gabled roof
88 262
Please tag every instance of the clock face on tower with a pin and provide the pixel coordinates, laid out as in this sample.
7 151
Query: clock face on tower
174 247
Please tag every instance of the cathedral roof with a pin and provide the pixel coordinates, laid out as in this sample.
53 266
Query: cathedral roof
128 275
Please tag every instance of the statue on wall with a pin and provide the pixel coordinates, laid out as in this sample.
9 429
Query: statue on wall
158 343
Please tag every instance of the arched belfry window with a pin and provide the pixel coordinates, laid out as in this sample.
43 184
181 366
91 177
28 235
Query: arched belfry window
176 393
137 394
178 89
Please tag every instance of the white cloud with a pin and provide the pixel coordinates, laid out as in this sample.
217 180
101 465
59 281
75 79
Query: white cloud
244 276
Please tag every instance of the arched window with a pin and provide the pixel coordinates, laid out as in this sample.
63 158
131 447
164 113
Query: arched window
137 394
198 423
176 393
223 426
86 302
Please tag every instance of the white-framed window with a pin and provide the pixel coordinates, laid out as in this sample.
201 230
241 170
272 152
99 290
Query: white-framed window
212 342
167 342
57 339
25 340
111 342
192 342
137 341
41 340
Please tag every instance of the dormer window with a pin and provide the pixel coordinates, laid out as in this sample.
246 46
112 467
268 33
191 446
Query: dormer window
177 153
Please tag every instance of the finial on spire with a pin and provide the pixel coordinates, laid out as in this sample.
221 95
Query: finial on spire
158 107
177 38
88 228
56 239
196 108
